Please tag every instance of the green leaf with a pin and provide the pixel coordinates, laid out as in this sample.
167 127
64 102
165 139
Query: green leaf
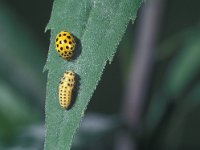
180 76
99 26
184 68
21 56
21 114
181 127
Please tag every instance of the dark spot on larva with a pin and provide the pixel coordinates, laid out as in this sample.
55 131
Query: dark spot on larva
65 104
65 52
60 97
69 37
65 41
64 97
62 54
70 53
60 42
65 87
69 80
72 48
67 47
56 39
71 84
61 48
70 42
59 35
58 51
64 34
65 91
71 74
68 84
64 94
57 45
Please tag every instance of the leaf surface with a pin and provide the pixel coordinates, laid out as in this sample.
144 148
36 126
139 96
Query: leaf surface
98 26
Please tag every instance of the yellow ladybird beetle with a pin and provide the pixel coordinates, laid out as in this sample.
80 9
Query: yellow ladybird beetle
65 45
66 87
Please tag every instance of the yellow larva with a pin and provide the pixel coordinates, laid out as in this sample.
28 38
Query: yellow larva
66 87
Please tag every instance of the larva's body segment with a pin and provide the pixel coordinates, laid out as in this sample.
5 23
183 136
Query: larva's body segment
66 87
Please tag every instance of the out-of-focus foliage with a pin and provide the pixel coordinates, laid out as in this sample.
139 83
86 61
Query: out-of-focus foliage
22 84
171 106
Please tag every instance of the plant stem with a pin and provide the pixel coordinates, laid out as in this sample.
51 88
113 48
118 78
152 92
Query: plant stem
142 64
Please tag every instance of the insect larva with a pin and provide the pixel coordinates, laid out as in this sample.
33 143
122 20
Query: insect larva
66 87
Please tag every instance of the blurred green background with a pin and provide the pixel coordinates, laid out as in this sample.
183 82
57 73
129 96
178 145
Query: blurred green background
172 109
